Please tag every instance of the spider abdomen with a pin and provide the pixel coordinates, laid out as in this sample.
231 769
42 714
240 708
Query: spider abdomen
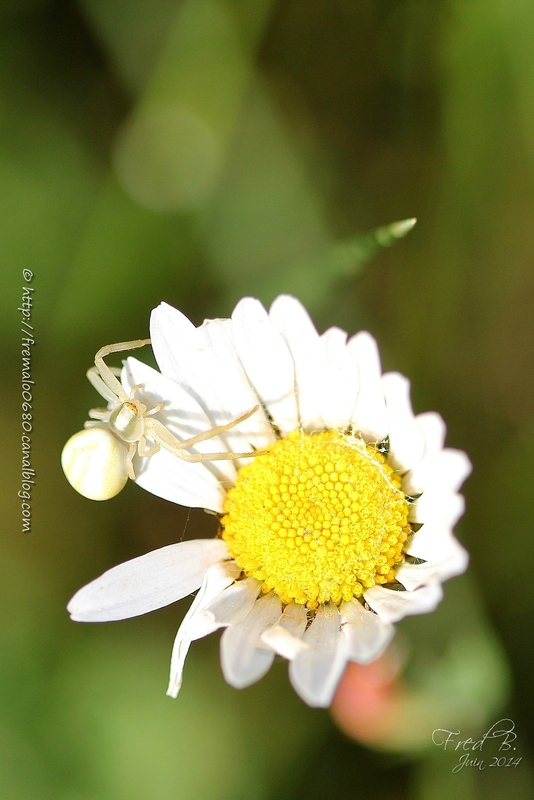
94 462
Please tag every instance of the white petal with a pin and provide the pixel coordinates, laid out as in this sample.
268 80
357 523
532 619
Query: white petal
391 606
437 505
173 338
316 671
294 323
204 362
370 415
148 582
406 440
433 429
267 362
217 578
244 657
167 476
446 469
285 638
412 576
442 552
434 542
228 608
339 388
181 415
365 633
281 641
235 394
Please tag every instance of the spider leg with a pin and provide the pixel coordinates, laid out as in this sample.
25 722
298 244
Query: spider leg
105 372
162 436
142 448
155 409
99 413
129 460
209 434
101 387
196 457
229 425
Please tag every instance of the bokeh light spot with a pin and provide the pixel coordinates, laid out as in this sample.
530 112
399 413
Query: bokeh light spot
167 159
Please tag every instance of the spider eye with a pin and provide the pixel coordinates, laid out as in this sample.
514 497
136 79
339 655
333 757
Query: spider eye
94 462
126 422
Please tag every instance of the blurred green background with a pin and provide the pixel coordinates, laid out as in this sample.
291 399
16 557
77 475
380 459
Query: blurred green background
195 152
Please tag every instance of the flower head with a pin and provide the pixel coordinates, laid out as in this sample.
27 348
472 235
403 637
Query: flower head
340 530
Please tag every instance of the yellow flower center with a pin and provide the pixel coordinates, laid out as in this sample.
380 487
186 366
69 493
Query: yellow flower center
320 517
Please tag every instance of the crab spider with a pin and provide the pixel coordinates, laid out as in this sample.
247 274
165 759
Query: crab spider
99 460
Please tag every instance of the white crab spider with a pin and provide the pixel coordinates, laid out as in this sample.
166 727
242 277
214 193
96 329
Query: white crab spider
99 460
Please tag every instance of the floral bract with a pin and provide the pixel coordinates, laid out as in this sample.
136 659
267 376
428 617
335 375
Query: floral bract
341 529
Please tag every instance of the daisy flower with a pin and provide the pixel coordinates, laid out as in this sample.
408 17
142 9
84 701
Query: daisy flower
340 530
